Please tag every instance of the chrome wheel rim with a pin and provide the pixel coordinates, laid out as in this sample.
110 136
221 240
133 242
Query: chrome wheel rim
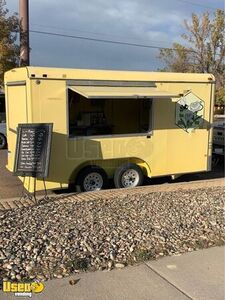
130 178
93 182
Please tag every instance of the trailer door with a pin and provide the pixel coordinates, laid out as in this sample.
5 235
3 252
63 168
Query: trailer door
16 109
16 105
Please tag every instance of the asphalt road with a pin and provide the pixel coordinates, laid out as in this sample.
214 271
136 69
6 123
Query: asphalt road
11 186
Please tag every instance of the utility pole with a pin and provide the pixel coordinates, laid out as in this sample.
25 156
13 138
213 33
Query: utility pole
24 32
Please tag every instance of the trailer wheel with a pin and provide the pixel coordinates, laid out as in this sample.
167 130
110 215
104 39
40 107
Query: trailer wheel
128 175
3 141
92 178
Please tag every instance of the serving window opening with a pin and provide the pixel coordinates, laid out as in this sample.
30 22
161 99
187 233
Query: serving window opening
108 116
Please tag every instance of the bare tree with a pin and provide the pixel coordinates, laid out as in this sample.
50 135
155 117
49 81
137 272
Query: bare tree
203 50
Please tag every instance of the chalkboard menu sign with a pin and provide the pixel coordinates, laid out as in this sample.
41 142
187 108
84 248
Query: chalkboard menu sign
33 150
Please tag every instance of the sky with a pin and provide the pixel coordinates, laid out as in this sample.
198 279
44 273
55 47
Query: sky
147 22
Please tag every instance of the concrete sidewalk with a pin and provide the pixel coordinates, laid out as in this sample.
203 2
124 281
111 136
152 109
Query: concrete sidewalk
197 275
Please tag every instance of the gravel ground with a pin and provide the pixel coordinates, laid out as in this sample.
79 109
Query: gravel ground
58 238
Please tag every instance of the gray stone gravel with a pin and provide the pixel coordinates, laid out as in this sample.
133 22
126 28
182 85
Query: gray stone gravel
58 238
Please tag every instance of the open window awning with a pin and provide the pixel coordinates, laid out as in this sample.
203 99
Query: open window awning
120 92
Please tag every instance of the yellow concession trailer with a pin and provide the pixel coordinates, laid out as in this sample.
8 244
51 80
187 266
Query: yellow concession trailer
113 124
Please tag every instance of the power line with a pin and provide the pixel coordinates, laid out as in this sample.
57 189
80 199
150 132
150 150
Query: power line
90 32
110 41
105 41
198 4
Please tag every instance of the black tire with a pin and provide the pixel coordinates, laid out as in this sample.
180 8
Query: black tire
92 178
134 175
3 141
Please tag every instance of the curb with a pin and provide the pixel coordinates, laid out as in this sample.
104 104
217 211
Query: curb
13 203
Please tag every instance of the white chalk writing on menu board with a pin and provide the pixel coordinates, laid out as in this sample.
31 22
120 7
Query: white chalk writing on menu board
33 149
